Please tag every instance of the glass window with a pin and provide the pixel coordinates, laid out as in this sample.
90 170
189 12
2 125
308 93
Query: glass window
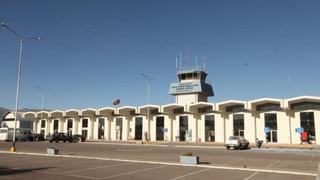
270 121
69 125
55 125
235 108
43 123
238 125
183 121
209 128
84 123
268 107
138 128
159 128
305 105
307 122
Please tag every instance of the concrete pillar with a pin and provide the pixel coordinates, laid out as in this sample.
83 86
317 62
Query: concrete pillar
249 127
202 134
95 128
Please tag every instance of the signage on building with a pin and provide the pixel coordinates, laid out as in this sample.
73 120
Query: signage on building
299 130
186 87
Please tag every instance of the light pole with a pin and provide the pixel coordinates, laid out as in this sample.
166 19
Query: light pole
21 40
148 95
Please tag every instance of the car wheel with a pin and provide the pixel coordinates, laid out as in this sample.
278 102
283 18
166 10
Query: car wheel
57 141
228 147
50 141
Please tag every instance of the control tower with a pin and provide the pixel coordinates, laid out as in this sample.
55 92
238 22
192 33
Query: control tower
191 87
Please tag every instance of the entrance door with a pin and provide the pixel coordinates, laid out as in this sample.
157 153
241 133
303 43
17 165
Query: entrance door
138 129
69 126
85 127
272 136
119 129
307 122
209 128
101 128
183 128
55 126
160 128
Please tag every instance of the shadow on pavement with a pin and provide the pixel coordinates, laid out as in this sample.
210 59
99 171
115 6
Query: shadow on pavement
9 171
205 162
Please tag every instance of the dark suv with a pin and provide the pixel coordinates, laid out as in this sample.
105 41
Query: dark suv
60 137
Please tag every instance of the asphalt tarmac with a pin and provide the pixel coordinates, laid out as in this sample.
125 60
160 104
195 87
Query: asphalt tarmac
124 161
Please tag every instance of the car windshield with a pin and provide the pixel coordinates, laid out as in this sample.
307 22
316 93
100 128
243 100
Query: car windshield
233 138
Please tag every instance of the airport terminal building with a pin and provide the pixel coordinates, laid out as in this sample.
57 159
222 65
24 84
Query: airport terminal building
191 118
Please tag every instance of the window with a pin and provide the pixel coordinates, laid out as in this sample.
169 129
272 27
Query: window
268 107
43 123
55 125
69 125
238 125
84 123
209 128
183 121
307 122
160 128
205 110
305 105
138 128
271 121
235 108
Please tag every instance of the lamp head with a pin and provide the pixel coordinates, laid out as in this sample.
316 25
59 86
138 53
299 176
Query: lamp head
2 24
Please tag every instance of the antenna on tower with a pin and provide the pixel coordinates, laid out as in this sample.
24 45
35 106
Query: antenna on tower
204 64
177 64
196 62
180 59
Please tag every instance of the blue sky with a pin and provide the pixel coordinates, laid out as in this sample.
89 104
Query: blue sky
94 51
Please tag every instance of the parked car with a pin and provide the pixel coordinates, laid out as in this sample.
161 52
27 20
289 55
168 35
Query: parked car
237 142
57 137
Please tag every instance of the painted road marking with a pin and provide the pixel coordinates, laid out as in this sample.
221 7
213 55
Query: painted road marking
134 172
251 176
189 174
87 169
256 173
318 176
172 164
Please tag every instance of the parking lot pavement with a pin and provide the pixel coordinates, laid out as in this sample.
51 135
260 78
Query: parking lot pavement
103 161
25 166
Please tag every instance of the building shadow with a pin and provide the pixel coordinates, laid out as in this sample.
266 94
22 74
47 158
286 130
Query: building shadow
10 171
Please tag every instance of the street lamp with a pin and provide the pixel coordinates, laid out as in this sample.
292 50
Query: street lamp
21 40
148 95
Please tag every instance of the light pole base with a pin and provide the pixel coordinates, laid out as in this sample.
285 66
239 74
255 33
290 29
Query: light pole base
13 149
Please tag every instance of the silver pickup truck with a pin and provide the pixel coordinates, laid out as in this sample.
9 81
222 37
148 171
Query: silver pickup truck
237 142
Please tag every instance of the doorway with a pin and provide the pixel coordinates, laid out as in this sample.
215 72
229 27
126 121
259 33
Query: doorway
160 128
138 129
119 128
183 128
209 128
101 128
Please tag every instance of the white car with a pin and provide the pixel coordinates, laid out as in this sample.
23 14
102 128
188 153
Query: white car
237 142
